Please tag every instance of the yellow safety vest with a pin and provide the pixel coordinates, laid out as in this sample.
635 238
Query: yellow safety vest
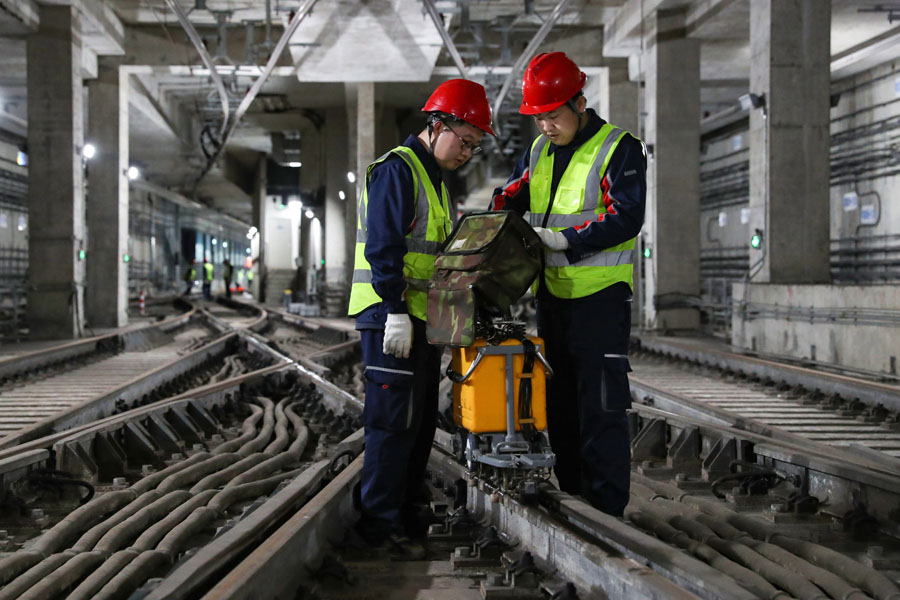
208 269
430 228
578 200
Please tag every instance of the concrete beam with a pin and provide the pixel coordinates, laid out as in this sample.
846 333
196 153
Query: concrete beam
18 17
622 35
142 99
236 173
99 26
701 12
159 47
848 62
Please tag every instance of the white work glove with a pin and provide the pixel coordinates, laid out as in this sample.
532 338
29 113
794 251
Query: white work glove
398 335
552 240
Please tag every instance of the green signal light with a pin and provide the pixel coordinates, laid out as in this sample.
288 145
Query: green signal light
647 253
81 255
323 261
756 239
126 258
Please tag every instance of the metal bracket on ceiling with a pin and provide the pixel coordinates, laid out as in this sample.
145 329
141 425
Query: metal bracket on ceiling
432 11
892 10
526 55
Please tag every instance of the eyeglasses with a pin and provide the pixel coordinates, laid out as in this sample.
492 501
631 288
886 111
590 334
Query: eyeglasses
473 148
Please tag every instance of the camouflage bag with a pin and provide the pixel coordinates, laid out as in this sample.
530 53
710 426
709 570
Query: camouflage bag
484 267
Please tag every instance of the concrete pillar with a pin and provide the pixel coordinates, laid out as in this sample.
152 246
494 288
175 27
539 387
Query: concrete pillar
673 173
789 140
106 297
307 251
619 96
335 224
55 176
259 221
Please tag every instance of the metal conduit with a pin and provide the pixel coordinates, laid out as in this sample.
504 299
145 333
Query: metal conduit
87 589
637 513
90 538
835 586
65 576
132 575
129 529
222 477
281 431
536 41
151 537
285 459
248 432
23 582
866 578
41 573
794 584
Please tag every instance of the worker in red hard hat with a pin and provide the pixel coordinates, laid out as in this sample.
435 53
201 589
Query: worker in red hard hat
404 216
583 184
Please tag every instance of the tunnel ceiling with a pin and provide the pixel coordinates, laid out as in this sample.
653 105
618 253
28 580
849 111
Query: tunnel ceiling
172 97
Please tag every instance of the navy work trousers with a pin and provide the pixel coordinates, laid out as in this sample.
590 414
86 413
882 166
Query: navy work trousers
587 346
400 416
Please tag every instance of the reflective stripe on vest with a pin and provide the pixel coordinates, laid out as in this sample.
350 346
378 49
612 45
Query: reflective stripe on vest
430 228
578 201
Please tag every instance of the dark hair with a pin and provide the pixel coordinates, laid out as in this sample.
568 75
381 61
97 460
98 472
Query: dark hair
571 101
446 118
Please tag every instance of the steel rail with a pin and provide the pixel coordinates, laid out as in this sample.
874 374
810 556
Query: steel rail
15 365
872 392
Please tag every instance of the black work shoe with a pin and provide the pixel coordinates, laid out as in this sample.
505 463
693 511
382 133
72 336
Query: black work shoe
416 520
400 547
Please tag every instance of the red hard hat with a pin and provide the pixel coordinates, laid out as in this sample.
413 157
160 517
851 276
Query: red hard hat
549 82
464 100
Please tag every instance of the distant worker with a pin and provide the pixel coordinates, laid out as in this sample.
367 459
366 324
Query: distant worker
190 275
207 279
250 280
404 217
583 183
227 273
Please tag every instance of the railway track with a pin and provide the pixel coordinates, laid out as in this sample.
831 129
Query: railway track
74 383
722 506
769 403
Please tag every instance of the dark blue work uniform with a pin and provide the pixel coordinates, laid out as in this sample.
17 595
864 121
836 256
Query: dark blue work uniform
400 413
587 338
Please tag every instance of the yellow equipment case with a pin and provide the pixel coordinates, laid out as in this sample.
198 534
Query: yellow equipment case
479 402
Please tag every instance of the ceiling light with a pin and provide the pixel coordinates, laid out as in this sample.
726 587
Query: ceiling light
21 159
351 176
89 151
342 195
133 173
309 214
295 164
